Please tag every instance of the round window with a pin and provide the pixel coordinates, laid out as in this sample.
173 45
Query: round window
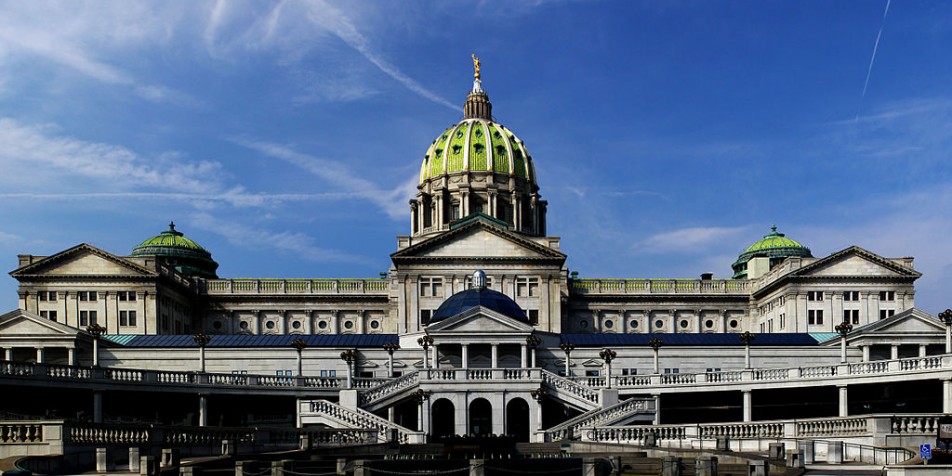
216 324
296 324
709 324
322 324
583 324
374 324
659 323
269 324
684 324
348 325
243 325
633 324
733 323
609 324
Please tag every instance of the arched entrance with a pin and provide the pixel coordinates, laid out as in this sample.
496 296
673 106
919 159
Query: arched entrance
480 417
517 419
443 419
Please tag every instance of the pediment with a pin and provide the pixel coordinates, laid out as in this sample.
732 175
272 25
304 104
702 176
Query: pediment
23 323
479 320
856 261
83 260
912 321
478 240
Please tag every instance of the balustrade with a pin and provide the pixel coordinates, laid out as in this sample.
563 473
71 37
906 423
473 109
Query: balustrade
295 286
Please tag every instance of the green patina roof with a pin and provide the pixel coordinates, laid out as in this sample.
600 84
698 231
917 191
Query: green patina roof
477 145
773 240
188 256
772 245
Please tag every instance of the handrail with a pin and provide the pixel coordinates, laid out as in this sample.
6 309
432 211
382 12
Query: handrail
358 418
388 388
601 416
564 385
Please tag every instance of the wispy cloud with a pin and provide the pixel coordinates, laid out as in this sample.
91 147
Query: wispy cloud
692 240
255 238
392 201
872 59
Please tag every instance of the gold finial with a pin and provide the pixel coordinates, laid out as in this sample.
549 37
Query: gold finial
475 66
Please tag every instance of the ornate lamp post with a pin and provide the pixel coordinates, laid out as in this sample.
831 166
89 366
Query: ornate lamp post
390 347
843 329
299 345
568 348
97 331
421 396
655 344
946 317
533 341
202 340
349 356
608 356
747 337
425 342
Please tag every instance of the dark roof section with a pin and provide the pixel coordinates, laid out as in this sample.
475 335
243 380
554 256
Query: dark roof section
485 297
684 340
246 340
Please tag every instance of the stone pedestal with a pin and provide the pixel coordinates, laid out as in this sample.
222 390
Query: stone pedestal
102 464
705 466
758 468
671 466
795 459
476 467
148 466
278 467
190 471
808 451
834 452
722 444
133 460
170 457
776 451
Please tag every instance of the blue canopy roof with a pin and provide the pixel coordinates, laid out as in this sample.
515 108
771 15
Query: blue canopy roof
685 339
246 340
485 297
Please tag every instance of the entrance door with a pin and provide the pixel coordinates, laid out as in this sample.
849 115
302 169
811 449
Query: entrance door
443 419
517 419
480 417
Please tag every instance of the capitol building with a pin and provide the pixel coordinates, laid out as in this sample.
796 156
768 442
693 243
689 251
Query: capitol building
480 328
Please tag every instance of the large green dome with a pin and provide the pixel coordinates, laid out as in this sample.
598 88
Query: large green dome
773 245
187 256
477 144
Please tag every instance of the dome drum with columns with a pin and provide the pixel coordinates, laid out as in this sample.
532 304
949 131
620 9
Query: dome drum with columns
477 166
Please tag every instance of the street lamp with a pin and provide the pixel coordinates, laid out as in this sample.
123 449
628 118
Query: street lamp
421 396
202 340
568 348
538 394
843 329
655 344
608 356
533 341
349 356
391 347
97 331
299 345
426 341
747 337
946 317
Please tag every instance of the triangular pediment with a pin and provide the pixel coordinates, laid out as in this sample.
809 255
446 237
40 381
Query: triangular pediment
478 240
21 323
480 320
83 260
911 321
856 261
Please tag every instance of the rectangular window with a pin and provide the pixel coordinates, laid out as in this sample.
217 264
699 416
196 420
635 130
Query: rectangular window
814 295
783 321
469 282
328 373
851 316
46 296
713 369
887 296
533 316
88 296
884 313
672 371
592 373
629 371
527 287
815 317
87 318
129 296
425 315
51 315
431 287
127 318
851 296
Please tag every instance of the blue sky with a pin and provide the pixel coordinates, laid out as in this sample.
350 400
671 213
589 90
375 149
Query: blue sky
286 137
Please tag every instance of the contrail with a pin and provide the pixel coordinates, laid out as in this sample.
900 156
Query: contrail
869 71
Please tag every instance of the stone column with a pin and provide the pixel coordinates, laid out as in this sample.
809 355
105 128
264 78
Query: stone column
71 356
335 322
97 406
39 355
844 407
922 350
495 356
523 362
436 356
465 355
748 405
894 352
865 353
8 354
657 405
309 321
947 396
202 410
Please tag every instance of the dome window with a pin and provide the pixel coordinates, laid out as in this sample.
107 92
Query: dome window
684 324
296 324
456 149
518 154
609 324
478 148
243 325
459 134
478 132
500 151
497 135
439 151
659 323
322 325
374 324
709 324
269 325
348 325
633 324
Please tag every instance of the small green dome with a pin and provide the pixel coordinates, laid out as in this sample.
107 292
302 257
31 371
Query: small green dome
187 256
774 245
477 144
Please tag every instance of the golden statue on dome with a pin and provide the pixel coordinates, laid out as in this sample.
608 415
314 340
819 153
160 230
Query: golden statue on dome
475 66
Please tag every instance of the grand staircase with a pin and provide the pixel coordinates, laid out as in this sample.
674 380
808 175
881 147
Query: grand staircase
323 412
570 392
621 413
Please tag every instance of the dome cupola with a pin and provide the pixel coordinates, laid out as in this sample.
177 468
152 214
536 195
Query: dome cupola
479 295
187 256
774 247
477 166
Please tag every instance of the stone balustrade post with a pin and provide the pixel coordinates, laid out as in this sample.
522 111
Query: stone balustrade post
758 468
807 447
671 466
102 463
148 466
134 460
705 466
242 467
834 452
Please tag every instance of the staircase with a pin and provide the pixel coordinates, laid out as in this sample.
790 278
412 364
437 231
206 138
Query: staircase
633 409
387 393
336 416
570 392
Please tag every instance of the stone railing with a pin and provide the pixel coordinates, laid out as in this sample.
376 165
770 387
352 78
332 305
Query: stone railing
659 286
742 431
481 374
561 386
389 388
21 432
603 416
296 286
831 427
336 416
634 434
